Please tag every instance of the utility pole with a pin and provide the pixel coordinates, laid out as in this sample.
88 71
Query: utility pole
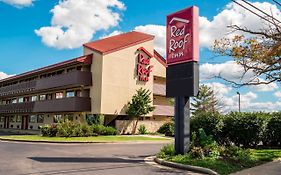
239 101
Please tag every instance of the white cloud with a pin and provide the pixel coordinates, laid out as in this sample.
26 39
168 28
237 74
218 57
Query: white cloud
265 87
4 75
277 94
229 70
18 3
75 22
233 14
160 36
219 88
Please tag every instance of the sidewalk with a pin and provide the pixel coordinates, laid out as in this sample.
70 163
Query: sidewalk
271 168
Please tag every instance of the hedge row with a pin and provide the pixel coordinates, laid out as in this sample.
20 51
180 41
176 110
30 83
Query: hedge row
243 129
72 129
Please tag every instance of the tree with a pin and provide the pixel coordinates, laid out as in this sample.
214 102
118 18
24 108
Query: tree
258 52
140 105
205 101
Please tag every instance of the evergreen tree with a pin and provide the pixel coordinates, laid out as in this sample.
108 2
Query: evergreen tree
140 105
205 101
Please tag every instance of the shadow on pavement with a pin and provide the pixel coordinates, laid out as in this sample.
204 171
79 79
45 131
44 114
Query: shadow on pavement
85 160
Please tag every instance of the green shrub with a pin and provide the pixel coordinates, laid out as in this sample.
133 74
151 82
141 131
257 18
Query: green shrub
49 130
245 129
166 151
104 130
168 129
211 123
142 129
272 136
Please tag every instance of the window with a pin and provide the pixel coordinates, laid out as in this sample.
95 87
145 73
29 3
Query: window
40 119
18 119
69 116
2 119
78 93
42 97
57 118
14 101
21 100
49 96
70 94
33 119
34 98
26 99
12 119
59 95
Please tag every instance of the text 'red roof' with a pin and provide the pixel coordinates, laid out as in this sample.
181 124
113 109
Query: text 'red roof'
118 42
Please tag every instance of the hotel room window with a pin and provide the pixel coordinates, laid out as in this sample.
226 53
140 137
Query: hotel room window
33 119
18 119
78 93
59 95
34 98
40 119
21 100
42 97
14 101
12 119
57 118
49 97
70 94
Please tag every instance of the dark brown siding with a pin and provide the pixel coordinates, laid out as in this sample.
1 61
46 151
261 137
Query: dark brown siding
75 78
72 104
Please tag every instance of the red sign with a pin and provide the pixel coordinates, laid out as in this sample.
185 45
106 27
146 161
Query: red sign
182 36
143 67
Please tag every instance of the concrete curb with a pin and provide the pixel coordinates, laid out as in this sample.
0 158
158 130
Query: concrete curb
185 167
110 142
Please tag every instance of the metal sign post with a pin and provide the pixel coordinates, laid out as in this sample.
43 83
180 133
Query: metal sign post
183 70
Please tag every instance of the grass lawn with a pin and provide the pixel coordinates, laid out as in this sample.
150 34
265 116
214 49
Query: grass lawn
84 139
225 167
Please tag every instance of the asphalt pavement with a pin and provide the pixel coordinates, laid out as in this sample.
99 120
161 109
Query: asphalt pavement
81 159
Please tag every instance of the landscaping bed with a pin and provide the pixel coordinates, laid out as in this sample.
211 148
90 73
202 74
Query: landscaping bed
93 139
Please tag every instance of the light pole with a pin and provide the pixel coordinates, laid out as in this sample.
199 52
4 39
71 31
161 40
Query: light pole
239 101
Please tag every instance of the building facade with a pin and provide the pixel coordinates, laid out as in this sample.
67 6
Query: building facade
102 81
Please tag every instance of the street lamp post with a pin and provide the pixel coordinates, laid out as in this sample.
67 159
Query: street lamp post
239 101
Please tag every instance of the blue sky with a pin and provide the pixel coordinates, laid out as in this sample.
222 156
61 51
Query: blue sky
23 48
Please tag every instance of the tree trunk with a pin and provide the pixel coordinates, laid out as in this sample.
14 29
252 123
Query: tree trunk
135 126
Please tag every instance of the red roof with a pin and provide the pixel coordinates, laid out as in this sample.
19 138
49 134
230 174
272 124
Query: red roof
87 59
118 42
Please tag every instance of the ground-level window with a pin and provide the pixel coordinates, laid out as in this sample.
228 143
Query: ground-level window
57 118
70 94
14 100
78 93
49 96
18 119
69 116
59 95
40 119
2 119
12 119
33 119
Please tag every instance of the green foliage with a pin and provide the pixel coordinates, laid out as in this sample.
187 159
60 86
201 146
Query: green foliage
141 104
205 101
272 137
167 128
49 130
95 119
142 129
212 124
104 130
245 129
166 151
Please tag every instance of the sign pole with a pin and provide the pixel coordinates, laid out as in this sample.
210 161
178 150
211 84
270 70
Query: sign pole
182 122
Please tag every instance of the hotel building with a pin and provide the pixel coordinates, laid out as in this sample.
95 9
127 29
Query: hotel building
102 81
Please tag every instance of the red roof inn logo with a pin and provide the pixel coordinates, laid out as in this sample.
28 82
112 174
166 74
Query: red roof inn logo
143 67
182 36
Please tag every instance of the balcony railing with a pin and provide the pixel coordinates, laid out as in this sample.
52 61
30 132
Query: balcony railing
159 89
164 110
75 78
72 104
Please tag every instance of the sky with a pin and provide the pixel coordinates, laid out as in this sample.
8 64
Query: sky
36 33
